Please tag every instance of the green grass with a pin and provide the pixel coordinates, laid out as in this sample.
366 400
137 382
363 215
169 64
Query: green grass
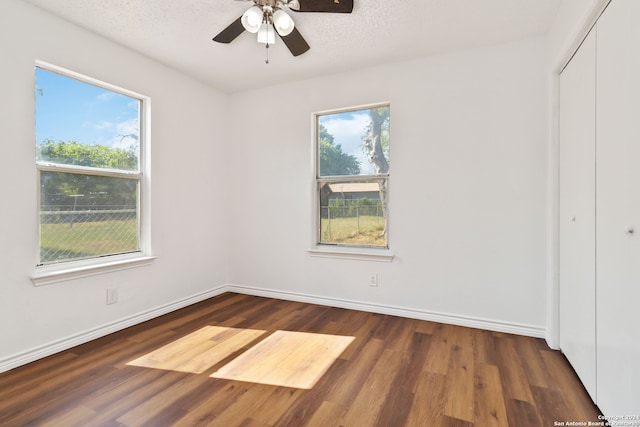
85 239
348 231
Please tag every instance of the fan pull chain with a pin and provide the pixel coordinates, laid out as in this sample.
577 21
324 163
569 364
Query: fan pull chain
266 61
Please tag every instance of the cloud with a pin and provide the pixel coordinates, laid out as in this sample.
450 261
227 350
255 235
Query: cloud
347 130
134 104
127 134
105 97
103 125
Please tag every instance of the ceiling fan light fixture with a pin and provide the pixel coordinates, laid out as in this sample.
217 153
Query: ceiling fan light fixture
252 19
266 17
282 22
267 34
294 4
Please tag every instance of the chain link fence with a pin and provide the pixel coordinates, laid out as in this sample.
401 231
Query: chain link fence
345 218
83 233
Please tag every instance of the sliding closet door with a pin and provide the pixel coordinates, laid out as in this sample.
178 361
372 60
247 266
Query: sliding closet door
618 208
577 213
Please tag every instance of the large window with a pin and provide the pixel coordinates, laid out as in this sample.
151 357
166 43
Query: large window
352 173
88 160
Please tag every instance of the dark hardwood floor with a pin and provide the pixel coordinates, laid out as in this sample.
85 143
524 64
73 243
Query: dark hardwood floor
396 372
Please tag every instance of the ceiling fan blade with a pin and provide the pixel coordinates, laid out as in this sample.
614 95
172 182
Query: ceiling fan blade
231 32
295 42
332 6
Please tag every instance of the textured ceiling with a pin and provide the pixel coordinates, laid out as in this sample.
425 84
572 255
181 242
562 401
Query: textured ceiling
179 32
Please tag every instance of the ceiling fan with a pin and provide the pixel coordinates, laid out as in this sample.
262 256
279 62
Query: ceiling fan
267 17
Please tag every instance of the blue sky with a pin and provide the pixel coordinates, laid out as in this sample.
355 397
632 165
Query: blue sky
70 110
347 130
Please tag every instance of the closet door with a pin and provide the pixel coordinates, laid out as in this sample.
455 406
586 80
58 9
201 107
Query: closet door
618 209
577 213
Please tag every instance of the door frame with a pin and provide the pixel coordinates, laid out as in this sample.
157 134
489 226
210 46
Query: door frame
553 173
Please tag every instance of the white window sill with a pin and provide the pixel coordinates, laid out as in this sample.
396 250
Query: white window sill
50 274
362 254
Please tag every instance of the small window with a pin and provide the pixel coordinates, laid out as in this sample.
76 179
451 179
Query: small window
88 160
352 173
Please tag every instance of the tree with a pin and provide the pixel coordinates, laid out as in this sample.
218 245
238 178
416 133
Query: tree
80 189
94 155
375 143
334 161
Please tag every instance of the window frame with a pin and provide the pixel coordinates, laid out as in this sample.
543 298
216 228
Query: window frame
54 272
339 250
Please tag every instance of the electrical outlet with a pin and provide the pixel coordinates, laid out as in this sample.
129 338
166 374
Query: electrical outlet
373 280
112 295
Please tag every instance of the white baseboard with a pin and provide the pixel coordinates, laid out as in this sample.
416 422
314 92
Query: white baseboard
83 337
86 336
433 316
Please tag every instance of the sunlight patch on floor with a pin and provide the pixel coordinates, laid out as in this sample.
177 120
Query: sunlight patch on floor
198 351
288 359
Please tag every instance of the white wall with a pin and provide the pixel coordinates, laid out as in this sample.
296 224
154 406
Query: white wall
467 190
189 188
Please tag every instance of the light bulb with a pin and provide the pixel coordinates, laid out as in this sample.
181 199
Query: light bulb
282 22
266 34
252 19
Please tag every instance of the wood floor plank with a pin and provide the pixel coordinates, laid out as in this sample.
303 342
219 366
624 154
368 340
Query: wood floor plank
441 347
367 405
363 333
447 421
514 380
460 384
78 415
354 379
250 422
484 347
533 364
280 405
164 398
236 409
25 377
551 405
429 399
396 372
490 409
397 406
136 383
132 394
327 414
522 414
566 379
302 410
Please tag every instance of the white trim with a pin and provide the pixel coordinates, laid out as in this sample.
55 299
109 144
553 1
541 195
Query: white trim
581 33
56 273
86 336
318 248
73 269
352 252
351 109
433 316
65 72
553 205
86 170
